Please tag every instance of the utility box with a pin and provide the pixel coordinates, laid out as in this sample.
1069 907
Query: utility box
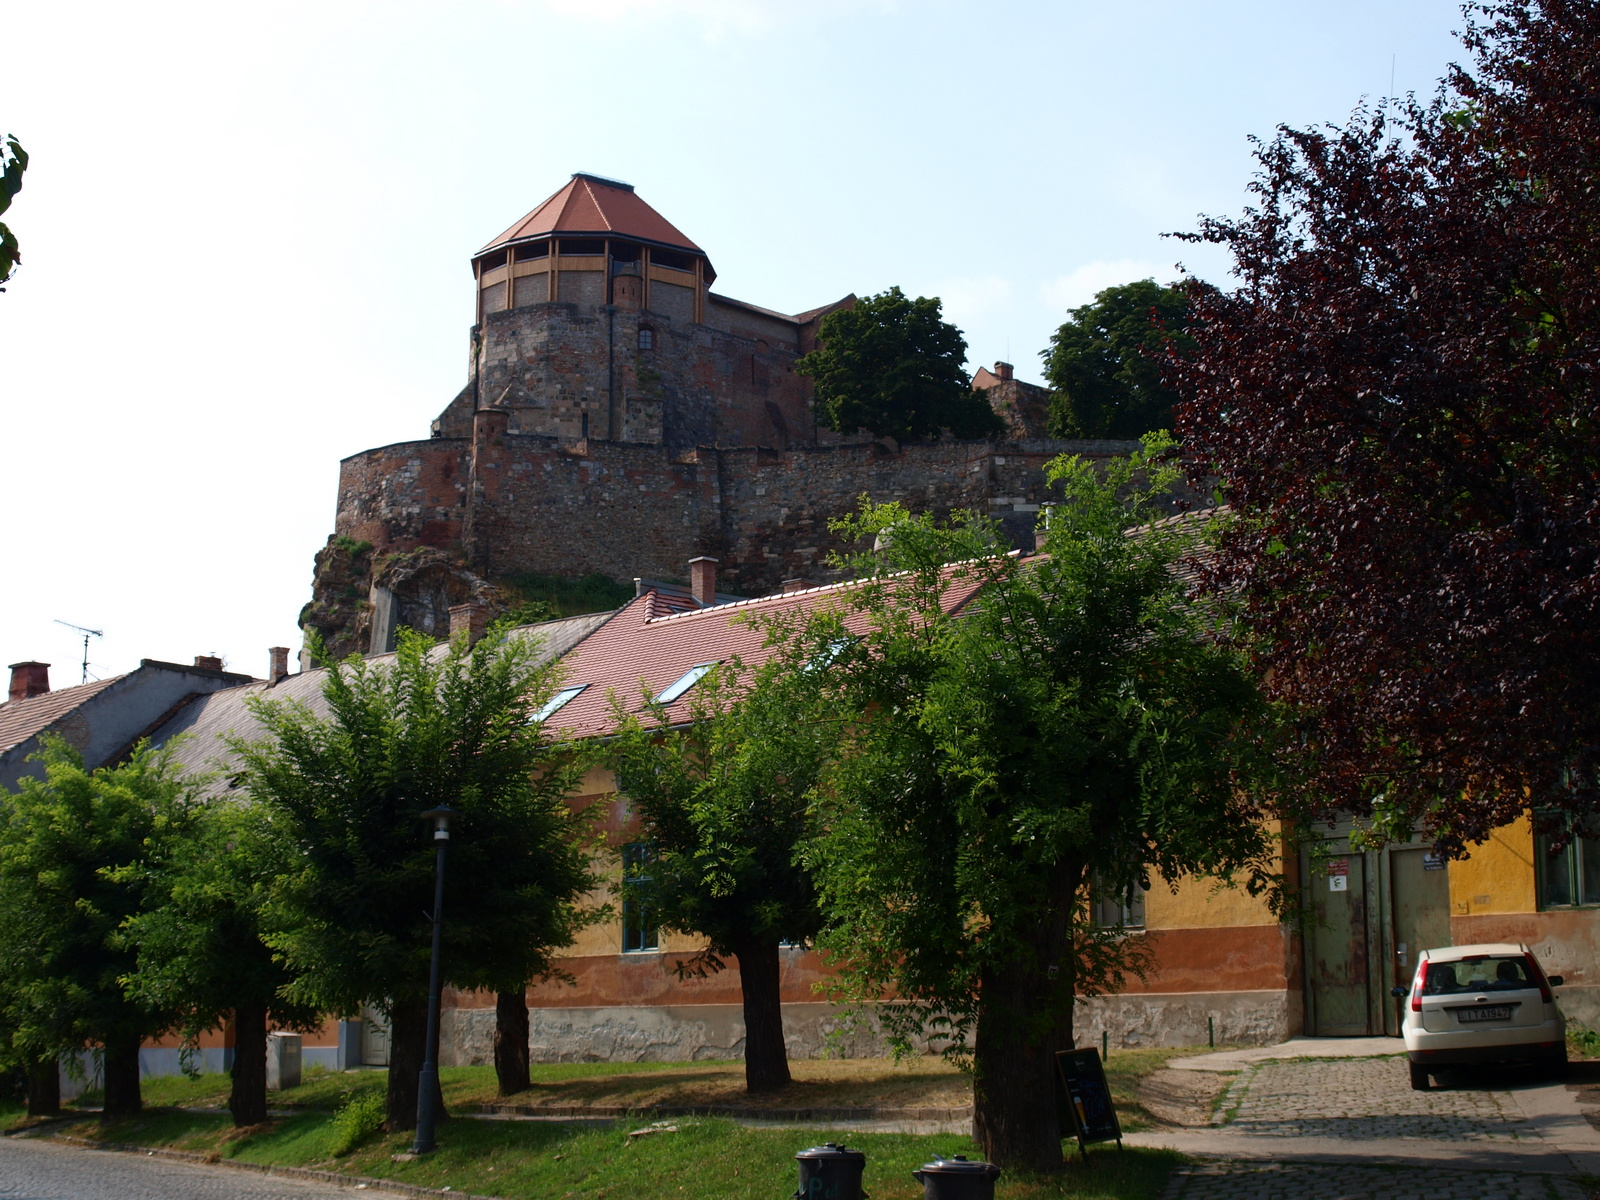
283 1061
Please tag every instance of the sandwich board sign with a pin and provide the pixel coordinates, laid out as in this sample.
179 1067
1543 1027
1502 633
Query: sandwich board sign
1083 1099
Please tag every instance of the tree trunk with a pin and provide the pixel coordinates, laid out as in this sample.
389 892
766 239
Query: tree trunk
121 1063
1024 1018
248 1100
44 1089
511 1042
408 1035
766 1060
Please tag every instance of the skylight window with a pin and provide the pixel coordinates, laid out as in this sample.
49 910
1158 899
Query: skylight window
552 705
690 677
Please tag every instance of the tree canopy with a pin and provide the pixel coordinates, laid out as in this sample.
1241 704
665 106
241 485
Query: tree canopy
13 162
722 805
81 853
896 367
449 725
1104 364
1401 400
1075 724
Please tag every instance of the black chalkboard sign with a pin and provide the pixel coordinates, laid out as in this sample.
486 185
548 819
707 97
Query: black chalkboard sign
1083 1100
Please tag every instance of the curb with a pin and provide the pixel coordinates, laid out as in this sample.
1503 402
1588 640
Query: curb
732 1112
335 1177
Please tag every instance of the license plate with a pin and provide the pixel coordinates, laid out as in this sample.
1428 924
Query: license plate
1498 1012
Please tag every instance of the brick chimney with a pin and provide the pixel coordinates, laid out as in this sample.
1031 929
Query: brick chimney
1003 371
209 662
703 580
471 618
29 679
278 663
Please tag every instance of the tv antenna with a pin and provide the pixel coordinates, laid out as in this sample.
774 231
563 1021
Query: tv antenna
87 634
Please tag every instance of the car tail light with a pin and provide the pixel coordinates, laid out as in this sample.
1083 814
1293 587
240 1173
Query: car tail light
1416 988
1536 974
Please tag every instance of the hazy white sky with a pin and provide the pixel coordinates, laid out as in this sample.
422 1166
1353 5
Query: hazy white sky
246 228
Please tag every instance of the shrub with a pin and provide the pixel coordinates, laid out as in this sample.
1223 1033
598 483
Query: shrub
357 1119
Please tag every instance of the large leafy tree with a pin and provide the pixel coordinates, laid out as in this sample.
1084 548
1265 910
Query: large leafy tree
896 367
13 162
1401 397
81 853
200 950
722 802
1075 721
1104 363
433 726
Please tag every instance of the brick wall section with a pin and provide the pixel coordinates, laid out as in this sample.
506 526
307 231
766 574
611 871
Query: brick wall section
514 502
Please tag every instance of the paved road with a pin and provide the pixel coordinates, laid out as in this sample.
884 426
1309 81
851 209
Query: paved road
1352 1129
31 1169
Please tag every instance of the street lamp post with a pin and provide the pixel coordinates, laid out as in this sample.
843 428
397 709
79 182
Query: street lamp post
428 1081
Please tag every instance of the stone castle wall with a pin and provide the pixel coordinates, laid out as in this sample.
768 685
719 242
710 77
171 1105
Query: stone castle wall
508 502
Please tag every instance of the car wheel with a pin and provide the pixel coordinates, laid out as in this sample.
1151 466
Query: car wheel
1419 1077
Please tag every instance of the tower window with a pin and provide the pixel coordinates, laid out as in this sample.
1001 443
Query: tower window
647 339
671 258
490 261
537 250
582 246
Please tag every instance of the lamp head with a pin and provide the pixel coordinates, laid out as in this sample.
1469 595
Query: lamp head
441 821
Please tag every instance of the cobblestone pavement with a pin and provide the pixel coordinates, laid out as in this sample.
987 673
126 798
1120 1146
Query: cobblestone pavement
38 1170
1324 1181
1363 1098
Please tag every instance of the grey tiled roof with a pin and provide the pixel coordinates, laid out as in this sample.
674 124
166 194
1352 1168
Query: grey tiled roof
209 722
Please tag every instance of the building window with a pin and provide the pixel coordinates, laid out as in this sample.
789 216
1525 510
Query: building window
647 339
638 922
1117 908
1570 876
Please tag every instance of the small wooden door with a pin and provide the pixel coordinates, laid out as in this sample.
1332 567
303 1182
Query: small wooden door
374 1038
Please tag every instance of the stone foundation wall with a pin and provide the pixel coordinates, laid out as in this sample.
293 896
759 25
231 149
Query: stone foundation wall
693 1032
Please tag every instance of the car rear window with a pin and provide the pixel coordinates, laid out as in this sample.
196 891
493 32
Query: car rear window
1487 974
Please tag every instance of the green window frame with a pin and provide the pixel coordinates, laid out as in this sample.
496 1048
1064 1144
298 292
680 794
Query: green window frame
1568 877
639 933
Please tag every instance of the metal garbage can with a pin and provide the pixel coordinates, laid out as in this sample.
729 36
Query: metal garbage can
831 1172
957 1178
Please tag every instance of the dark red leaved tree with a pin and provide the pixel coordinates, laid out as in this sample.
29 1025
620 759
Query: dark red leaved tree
1401 397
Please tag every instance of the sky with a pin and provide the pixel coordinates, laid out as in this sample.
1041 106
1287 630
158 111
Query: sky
246 228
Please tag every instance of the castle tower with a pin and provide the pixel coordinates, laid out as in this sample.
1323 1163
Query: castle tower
577 245
595 319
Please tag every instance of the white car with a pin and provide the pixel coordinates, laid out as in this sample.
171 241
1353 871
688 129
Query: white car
1481 1004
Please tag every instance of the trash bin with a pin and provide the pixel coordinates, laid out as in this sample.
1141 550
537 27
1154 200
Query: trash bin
830 1172
957 1178
283 1061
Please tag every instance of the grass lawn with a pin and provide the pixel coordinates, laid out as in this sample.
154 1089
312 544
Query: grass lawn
715 1159
705 1157
818 1083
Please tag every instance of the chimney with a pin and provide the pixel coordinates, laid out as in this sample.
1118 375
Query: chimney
703 580
208 662
29 679
1002 370
471 618
796 585
278 665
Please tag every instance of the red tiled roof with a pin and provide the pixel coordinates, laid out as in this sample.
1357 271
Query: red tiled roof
639 646
592 205
22 719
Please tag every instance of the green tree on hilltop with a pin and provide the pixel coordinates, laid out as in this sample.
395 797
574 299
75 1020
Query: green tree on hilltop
894 366
1104 364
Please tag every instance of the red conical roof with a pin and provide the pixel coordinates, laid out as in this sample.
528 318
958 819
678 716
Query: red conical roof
593 205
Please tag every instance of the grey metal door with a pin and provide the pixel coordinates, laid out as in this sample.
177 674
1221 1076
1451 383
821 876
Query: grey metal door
1338 974
1420 914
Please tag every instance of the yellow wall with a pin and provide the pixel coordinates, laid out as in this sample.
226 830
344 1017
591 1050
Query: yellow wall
1203 904
1497 876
